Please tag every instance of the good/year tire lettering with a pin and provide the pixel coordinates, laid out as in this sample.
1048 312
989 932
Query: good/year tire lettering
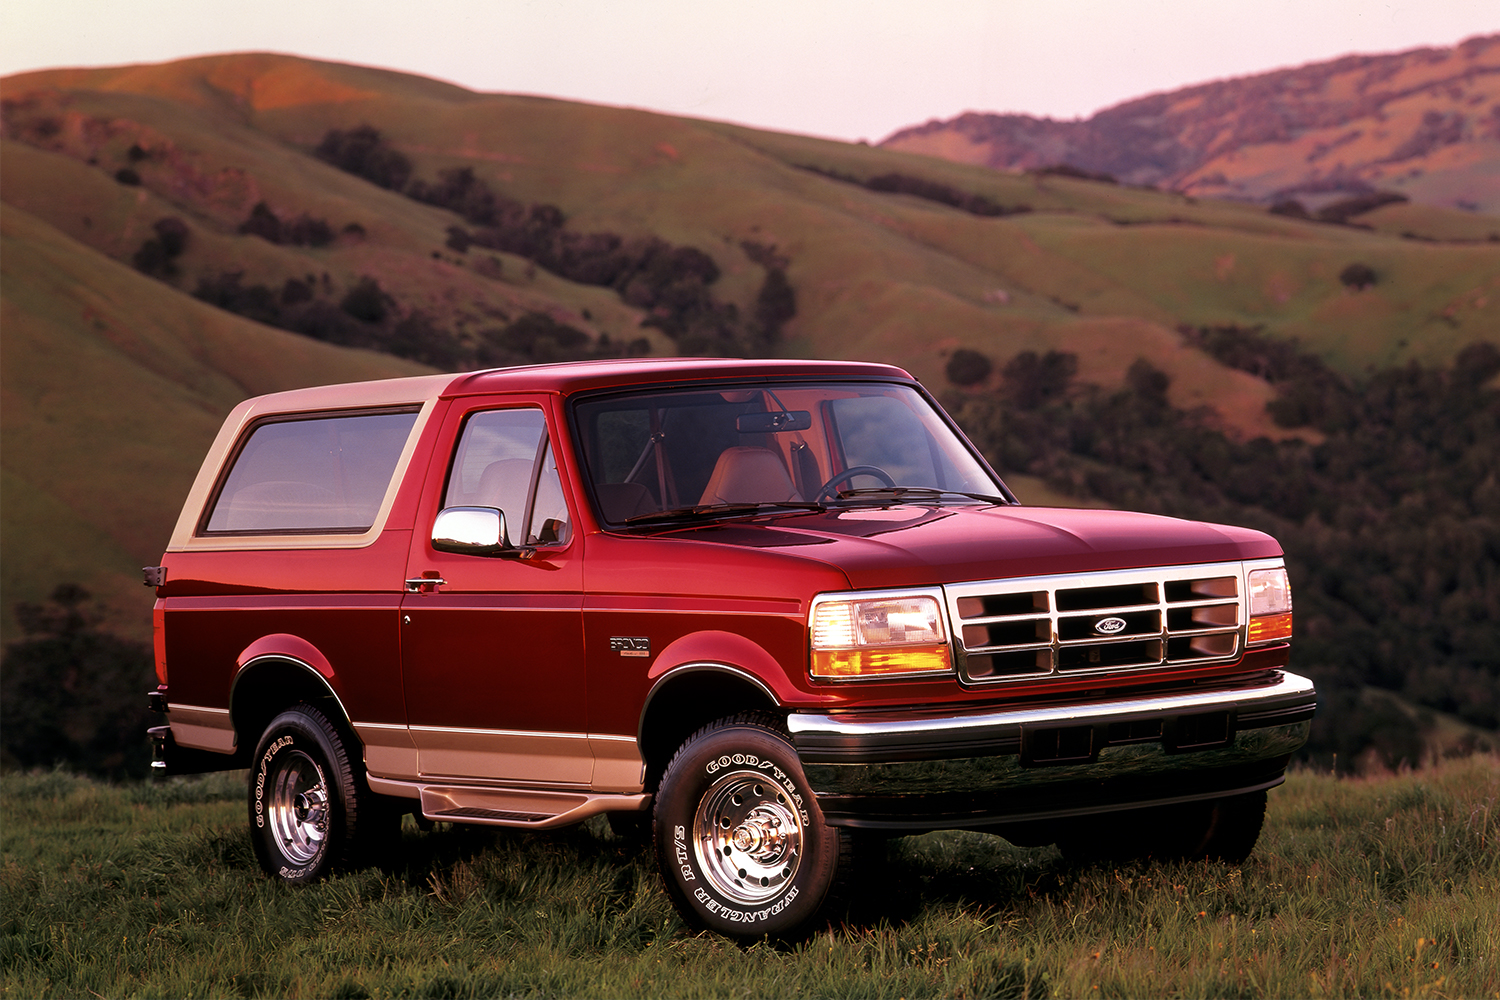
304 800
740 839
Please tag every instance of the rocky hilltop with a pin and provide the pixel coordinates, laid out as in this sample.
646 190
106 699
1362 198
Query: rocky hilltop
1424 123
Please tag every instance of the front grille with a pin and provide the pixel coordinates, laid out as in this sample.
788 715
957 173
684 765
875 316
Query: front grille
1089 623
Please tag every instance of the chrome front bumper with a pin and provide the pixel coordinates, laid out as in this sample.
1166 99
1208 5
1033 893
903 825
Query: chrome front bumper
913 771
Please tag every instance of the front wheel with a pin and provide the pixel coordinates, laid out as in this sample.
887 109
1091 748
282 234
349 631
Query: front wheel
307 813
740 840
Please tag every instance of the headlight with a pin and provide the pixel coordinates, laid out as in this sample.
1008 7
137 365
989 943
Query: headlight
878 636
1270 606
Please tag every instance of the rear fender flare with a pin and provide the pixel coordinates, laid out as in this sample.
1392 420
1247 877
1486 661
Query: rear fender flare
283 651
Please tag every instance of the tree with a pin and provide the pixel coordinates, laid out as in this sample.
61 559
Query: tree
363 152
968 367
73 695
1357 276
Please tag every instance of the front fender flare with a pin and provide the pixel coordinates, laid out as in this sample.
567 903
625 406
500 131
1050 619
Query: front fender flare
725 651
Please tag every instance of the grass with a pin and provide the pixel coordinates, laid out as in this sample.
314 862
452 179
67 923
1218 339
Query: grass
1381 886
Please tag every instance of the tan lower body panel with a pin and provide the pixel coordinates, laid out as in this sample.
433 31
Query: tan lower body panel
389 750
618 766
504 755
202 728
533 808
521 807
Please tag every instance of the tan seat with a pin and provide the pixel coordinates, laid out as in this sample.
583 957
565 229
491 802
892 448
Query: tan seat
749 475
504 484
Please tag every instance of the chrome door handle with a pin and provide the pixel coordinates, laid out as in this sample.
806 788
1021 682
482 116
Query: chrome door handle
414 586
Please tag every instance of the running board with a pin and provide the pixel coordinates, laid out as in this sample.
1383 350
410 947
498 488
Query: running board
527 808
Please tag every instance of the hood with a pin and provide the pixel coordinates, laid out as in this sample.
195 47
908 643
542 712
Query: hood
905 546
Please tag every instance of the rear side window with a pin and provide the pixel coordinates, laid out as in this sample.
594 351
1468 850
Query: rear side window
323 474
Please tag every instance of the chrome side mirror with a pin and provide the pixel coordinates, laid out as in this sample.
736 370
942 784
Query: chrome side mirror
474 531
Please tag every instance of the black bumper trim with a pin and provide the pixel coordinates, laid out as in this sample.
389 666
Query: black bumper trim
851 738
167 758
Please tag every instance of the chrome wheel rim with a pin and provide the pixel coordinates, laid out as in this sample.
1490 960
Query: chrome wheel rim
298 810
748 837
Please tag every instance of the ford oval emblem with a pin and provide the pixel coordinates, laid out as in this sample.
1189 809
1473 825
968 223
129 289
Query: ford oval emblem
1109 626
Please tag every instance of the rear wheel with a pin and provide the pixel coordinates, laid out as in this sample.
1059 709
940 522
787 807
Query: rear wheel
309 811
740 839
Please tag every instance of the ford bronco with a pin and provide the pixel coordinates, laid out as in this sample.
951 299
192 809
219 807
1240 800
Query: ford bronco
763 609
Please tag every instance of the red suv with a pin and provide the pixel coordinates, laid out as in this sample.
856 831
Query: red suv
765 605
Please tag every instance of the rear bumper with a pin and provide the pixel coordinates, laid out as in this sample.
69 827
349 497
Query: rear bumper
168 757
1039 763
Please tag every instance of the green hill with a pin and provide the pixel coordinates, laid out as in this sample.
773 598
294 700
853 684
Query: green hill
112 389
115 375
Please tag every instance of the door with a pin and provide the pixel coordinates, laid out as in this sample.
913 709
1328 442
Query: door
492 647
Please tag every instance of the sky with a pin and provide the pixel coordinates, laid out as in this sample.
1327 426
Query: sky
843 69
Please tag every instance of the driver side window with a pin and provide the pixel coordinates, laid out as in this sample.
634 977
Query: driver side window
504 459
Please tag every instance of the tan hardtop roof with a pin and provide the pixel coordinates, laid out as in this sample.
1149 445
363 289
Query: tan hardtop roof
424 391
566 377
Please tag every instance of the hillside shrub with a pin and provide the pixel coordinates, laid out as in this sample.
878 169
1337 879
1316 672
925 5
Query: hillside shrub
968 367
1309 393
458 239
767 255
304 230
73 695
534 338
296 291
1028 380
921 187
366 301
775 304
226 291
1290 207
1077 173
263 223
1340 212
362 151
458 190
158 255
538 338
419 338
943 194
323 320
1358 277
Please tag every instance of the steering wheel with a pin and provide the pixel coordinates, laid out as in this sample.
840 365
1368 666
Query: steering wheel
828 492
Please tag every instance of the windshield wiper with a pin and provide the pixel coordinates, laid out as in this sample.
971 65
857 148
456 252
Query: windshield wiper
916 493
709 511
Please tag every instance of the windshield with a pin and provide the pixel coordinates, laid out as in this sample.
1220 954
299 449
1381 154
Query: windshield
656 454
